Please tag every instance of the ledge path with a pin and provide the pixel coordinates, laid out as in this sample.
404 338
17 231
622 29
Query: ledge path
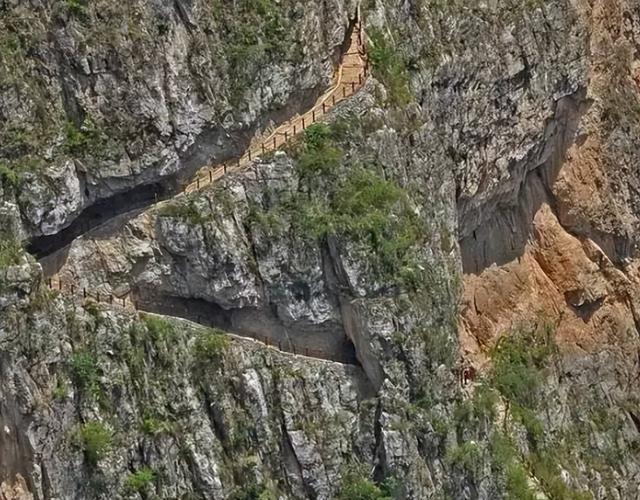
349 78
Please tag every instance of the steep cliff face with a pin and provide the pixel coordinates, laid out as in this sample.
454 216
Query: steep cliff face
565 247
101 404
472 205
100 99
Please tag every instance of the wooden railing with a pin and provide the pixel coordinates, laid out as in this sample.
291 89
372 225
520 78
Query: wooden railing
126 302
350 77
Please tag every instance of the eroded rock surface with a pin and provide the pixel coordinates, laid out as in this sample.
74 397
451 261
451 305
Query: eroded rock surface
477 196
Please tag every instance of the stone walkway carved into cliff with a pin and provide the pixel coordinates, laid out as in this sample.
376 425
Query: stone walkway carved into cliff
349 78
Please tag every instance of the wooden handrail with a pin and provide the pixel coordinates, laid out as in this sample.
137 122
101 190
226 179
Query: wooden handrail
337 93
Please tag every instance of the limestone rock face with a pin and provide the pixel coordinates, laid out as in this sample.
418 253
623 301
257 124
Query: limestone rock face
50 202
473 206
98 100
212 422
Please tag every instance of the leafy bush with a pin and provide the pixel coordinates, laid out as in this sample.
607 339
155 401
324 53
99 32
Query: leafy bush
356 485
373 212
84 140
140 480
518 362
359 205
210 345
84 367
467 456
75 6
159 328
507 459
61 389
185 210
8 175
253 32
11 252
319 156
389 67
153 426
546 470
253 491
96 440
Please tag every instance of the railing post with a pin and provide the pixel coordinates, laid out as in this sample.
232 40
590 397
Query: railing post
294 129
313 116
49 283
84 293
124 302
249 155
224 168
303 125
334 99
60 284
359 78
210 176
286 136
263 150
274 142
110 298
344 91
324 108
353 87
198 183
97 296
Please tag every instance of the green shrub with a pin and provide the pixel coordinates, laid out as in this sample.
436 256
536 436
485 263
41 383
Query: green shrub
531 423
183 209
76 7
140 480
84 367
84 140
319 155
389 67
507 459
253 491
61 389
210 345
545 469
153 426
355 485
11 252
8 175
159 328
359 205
519 359
96 440
467 456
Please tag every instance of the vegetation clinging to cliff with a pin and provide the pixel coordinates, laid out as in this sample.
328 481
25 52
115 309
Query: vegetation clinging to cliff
351 200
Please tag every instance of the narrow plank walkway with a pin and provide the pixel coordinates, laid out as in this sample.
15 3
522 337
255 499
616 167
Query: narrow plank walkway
350 76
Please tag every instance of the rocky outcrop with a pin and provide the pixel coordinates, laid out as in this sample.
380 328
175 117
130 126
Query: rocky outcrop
486 158
90 397
99 100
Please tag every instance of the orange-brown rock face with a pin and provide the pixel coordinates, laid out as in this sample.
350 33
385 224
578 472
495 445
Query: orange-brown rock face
559 278
563 250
